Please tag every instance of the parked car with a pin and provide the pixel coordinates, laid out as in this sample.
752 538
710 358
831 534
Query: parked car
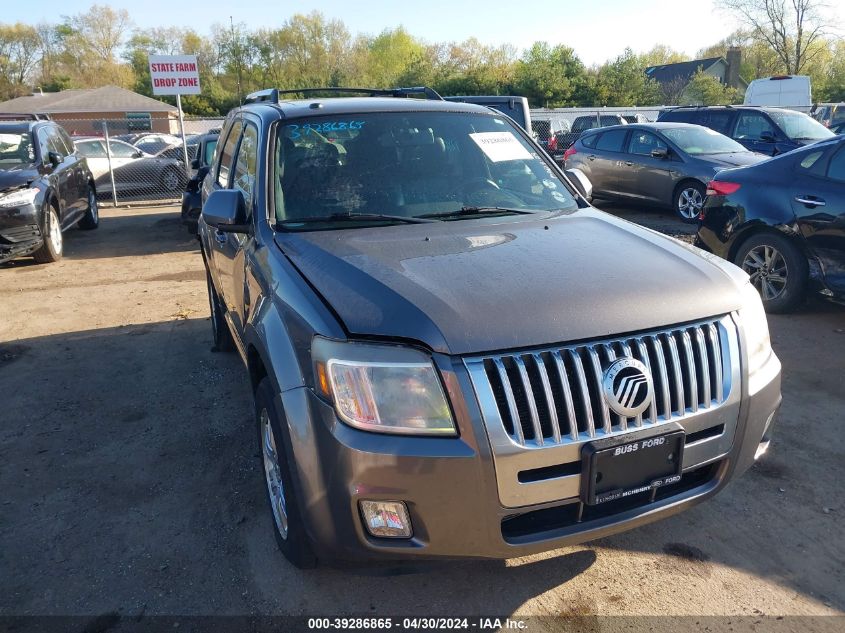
783 222
45 189
580 125
154 143
668 164
830 115
635 118
406 404
192 196
515 107
838 128
133 169
546 132
769 131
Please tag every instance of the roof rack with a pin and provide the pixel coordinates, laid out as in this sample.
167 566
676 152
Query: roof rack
271 95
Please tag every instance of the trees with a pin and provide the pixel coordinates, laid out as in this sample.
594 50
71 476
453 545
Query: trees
790 28
704 89
549 76
624 82
19 56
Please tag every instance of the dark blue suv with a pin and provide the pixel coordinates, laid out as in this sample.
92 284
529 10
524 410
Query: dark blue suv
769 131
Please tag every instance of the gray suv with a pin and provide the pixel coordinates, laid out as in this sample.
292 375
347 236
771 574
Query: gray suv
452 353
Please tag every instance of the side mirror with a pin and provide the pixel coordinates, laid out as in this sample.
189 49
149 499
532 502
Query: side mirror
138 154
195 164
55 158
767 137
581 183
225 210
660 152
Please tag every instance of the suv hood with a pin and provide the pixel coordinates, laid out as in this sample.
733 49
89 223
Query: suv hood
480 285
17 177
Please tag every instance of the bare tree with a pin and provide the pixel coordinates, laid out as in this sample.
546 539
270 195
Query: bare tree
788 27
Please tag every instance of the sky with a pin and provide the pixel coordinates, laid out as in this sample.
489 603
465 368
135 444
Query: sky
598 30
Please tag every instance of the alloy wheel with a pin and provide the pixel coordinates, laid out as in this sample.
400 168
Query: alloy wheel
690 202
768 271
54 231
92 205
273 474
170 180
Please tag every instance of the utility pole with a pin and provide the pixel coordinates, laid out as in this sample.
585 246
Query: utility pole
237 59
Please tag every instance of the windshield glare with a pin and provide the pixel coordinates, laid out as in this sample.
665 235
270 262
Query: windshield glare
702 140
409 164
798 126
15 150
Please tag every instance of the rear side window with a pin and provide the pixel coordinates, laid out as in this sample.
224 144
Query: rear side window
92 149
678 116
611 141
718 120
228 154
590 141
836 168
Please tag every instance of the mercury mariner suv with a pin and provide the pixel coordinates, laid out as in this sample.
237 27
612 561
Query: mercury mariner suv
452 353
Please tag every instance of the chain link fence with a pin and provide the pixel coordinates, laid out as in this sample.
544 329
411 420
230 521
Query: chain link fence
138 161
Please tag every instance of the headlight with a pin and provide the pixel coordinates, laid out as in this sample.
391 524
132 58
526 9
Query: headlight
18 198
398 391
756 328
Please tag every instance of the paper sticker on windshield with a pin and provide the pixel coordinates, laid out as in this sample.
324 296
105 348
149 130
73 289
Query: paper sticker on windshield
500 146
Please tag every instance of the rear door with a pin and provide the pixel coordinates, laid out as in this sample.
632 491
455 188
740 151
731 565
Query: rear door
76 163
818 199
608 163
61 178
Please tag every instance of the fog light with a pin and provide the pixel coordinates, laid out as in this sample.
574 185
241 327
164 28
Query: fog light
386 519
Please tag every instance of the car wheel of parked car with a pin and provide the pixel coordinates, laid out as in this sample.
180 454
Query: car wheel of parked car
171 180
91 219
689 199
288 526
219 329
51 249
778 270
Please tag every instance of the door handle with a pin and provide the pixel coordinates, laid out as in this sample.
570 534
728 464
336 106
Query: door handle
629 163
591 156
810 201
220 237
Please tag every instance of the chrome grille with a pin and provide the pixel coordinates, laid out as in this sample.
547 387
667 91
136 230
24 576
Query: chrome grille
554 396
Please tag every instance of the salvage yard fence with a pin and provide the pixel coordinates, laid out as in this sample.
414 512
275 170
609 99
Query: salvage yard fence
138 160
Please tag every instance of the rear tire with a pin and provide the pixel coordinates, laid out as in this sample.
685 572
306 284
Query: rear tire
778 269
689 200
91 219
53 246
220 334
288 526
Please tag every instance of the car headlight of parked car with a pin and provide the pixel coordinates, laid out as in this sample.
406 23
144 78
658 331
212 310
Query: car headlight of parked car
756 329
383 389
18 198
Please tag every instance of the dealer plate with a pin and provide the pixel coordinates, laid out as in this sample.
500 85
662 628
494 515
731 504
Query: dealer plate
619 467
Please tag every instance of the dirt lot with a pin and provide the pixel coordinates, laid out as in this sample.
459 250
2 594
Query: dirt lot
131 482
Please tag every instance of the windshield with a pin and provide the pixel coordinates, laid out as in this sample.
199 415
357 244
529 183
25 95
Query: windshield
702 140
409 165
15 150
799 127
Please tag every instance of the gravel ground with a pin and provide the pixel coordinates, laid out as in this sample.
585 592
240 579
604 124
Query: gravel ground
131 481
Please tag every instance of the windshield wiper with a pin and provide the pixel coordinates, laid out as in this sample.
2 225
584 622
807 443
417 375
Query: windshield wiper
470 211
351 217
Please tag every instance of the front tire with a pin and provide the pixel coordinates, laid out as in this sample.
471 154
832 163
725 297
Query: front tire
53 247
288 526
689 200
778 269
91 219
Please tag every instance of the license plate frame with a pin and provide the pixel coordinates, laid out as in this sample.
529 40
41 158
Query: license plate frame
619 467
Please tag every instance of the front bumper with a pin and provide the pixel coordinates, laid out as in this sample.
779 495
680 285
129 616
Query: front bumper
450 489
20 231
